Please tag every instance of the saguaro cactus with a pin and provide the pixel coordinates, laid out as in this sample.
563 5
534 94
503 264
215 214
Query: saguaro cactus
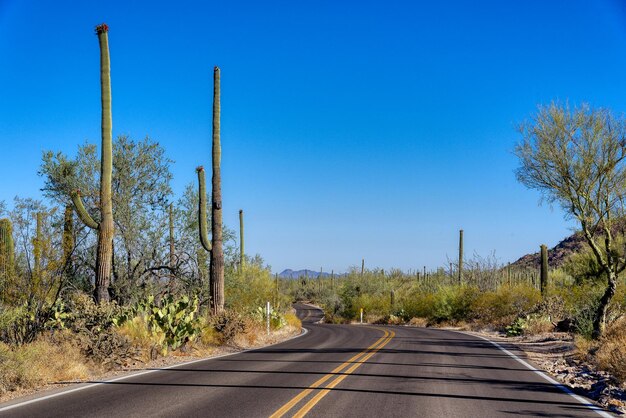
172 262
67 239
67 242
242 256
544 270
216 268
7 250
104 255
37 251
461 256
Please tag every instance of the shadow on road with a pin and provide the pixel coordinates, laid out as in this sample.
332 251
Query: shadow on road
570 405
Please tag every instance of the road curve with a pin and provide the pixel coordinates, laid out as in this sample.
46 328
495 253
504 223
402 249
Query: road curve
333 370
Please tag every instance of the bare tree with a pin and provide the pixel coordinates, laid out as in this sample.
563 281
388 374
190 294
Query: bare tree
575 157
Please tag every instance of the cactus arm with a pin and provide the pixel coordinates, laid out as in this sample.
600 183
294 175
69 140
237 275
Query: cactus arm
202 220
82 212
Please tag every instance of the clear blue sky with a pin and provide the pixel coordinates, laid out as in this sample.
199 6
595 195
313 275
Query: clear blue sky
350 130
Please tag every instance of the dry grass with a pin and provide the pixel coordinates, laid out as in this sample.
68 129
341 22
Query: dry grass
611 354
537 324
292 320
418 322
149 343
44 361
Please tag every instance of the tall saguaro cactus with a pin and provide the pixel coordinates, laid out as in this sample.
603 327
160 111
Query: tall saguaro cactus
172 262
67 241
216 268
7 251
104 255
461 256
37 250
544 270
242 256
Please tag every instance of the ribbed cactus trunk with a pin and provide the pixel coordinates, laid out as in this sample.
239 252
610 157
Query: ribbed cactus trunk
104 255
37 250
216 271
544 270
104 252
67 239
172 263
460 256
362 267
7 253
242 256
215 246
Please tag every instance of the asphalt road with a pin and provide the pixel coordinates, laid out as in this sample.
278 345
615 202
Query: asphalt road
332 371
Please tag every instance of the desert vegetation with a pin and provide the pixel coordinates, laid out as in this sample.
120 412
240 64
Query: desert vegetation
112 270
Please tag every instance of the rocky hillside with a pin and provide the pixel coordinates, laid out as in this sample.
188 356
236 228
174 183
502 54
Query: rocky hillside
556 255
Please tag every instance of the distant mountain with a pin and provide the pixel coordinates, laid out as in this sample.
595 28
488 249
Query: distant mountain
296 274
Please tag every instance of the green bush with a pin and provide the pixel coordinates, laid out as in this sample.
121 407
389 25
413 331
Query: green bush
19 325
503 306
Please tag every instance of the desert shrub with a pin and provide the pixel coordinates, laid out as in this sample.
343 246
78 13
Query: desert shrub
453 303
516 328
292 320
229 324
611 354
252 287
18 325
148 342
96 332
503 306
390 319
277 320
333 307
42 361
583 267
551 307
538 324
418 322
418 304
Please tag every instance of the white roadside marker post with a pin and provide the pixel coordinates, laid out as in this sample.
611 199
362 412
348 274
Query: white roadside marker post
268 311
361 315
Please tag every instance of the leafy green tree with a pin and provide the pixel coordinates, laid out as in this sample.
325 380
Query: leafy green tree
140 192
576 158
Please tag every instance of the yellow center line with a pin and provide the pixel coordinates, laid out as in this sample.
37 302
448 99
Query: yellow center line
310 404
285 408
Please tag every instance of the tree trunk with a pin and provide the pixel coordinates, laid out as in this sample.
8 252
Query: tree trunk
599 320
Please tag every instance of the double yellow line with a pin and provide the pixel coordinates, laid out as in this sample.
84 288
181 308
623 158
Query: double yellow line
344 369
